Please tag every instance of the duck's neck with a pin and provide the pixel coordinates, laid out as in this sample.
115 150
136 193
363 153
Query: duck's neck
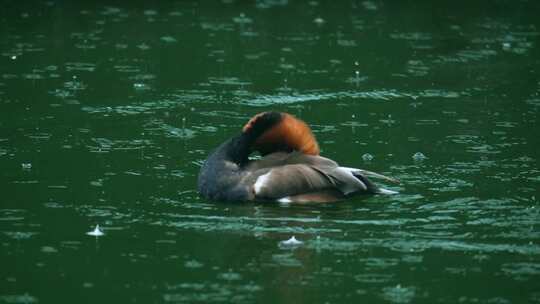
236 149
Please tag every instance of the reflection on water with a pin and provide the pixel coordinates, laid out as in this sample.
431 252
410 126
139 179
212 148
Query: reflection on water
108 112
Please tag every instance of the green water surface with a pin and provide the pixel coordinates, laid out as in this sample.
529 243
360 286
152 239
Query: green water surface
109 108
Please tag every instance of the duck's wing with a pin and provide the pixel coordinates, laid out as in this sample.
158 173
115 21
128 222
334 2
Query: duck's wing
283 158
268 161
299 177
373 174
280 183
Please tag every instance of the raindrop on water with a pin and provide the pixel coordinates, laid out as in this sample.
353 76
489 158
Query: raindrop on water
96 232
242 19
184 125
419 156
291 242
367 157
319 21
139 86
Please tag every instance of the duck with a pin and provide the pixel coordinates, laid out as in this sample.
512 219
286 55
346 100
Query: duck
290 168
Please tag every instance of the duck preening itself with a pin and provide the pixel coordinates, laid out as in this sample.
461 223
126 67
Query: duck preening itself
290 169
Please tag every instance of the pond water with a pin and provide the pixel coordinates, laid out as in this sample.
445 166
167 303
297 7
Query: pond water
108 110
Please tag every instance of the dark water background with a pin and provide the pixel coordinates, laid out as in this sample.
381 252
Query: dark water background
108 109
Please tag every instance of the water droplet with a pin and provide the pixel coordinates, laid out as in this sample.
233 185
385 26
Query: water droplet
367 157
13 57
96 232
48 249
242 19
291 242
143 46
319 21
150 12
168 39
419 156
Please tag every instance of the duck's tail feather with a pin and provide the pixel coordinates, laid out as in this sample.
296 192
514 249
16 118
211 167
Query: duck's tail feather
375 175
363 175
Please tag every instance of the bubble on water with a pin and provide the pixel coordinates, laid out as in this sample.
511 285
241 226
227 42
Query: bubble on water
108 11
370 5
346 42
286 260
121 46
176 14
96 232
417 68
228 81
48 249
150 12
168 39
24 298
367 157
141 86
33 76
97 183
389 121
230 276
419 156
398 294
291 242
193 264
242 19
80 66
74 85
143 46
319 21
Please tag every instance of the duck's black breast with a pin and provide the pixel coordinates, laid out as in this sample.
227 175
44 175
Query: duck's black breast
222 180
221 175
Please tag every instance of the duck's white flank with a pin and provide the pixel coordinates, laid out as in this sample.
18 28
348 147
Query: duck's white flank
285 200
261 182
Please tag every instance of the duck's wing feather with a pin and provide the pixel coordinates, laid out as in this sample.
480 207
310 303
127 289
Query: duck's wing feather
283 158
300 177
296 179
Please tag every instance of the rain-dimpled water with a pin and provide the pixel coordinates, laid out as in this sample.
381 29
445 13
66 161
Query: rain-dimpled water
109 109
